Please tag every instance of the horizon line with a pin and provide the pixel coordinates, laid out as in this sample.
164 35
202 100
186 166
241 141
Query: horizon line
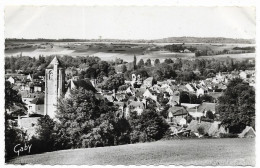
7 38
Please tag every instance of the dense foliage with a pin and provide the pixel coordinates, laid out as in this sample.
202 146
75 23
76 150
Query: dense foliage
114 82
237 106
149 126
13 135
186 97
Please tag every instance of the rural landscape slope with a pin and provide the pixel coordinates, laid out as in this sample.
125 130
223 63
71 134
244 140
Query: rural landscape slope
178 152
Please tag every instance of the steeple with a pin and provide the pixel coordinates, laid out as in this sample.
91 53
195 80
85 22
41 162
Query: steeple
55 61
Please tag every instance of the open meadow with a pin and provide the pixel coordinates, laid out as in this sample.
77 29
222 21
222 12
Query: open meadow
168 152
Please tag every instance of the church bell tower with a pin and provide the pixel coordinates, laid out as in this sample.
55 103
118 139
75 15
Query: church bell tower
54 86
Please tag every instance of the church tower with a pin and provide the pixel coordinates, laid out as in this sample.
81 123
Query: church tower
54 86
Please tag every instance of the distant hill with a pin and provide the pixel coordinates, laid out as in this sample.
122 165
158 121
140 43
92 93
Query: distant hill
204 40
163 40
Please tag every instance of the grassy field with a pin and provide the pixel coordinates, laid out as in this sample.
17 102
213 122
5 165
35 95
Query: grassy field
177 152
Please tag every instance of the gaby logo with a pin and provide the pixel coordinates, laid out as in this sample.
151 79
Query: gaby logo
19 148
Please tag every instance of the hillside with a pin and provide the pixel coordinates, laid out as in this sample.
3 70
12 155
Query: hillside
178 152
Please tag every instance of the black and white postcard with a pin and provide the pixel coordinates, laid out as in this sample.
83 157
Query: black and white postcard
129 85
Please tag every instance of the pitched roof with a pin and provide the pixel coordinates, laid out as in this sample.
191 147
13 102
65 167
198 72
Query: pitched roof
53 62
84 83
247 132
150 79
178 110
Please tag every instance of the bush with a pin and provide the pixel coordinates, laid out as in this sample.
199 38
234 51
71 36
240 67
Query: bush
134 136
228 135
92 140
13 136
124 139
44 140
143 137
201 130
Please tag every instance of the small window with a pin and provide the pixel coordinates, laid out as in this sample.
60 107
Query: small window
50 75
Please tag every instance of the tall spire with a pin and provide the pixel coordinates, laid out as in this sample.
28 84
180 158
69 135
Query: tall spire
55 61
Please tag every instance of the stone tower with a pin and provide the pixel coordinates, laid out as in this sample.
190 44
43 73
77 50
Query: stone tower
54 86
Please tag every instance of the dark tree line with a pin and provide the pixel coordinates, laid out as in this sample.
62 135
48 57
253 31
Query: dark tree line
237 106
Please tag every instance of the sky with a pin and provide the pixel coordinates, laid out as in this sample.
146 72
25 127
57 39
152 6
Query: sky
79 22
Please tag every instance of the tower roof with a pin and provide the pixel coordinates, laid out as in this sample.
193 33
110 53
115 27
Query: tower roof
55 61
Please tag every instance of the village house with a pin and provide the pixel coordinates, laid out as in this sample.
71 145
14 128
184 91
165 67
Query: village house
150 94
12 80
29 78
76 84
190 87
136 81
36 106
156 88
27 97
137 106
174 99
177 114
38 88
201 110
247 74
121 108
148 82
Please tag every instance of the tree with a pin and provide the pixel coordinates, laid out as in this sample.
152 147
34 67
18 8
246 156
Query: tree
187 76
79 115
140 63
168 61
148 62
185 97
114 82
124 68
153 125
134 62
156 62
207 98
13 135
167 71
210 115
12 63
13 98
237 106
149 126
158 75
45 138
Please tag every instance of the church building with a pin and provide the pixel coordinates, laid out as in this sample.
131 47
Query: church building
54 86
